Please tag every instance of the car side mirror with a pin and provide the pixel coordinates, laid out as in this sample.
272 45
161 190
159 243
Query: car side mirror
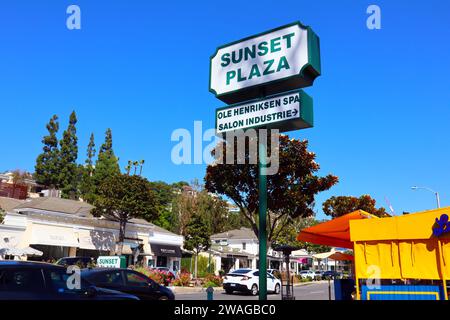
91 292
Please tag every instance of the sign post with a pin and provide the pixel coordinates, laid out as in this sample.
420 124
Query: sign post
269 68
262 163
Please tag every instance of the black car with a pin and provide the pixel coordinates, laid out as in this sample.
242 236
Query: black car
83 262
330 275
128 281
21 280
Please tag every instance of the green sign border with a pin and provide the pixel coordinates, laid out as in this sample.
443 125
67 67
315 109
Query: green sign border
313 60
304 120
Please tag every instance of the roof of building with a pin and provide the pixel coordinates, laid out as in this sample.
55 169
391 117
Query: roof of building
242 233
155 227
8 204
64 206
57 205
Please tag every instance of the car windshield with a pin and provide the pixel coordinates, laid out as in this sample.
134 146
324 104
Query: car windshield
241 271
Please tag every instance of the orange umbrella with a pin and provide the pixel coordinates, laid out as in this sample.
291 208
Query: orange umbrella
333 233
335 255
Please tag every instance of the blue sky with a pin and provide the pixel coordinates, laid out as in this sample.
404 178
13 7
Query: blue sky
382 104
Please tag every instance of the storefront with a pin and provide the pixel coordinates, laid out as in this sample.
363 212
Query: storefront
71 231
396 258
166 256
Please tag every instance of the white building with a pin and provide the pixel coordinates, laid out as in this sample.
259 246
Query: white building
66 228
239 248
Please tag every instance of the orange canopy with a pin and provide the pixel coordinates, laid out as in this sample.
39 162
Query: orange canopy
333 233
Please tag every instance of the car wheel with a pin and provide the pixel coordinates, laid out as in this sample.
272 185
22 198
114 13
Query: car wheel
254 290
277 289
228 291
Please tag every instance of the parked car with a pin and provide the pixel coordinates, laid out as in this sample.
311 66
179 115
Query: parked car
20 280
305 274
319 275
247 280
331 275
83 262
128 281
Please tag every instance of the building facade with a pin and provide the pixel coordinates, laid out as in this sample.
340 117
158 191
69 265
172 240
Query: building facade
65 228
239 248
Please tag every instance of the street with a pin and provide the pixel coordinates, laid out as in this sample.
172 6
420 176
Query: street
312 291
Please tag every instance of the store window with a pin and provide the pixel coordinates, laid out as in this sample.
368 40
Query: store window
176 265
151 263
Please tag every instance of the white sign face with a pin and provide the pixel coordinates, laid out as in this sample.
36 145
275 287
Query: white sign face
108 262
261 113
272 56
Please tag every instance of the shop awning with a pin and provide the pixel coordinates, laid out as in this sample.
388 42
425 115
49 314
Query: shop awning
333 233
16 252
50 235
166 250
95 240
334 255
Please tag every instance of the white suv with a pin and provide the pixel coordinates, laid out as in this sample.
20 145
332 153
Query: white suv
247 280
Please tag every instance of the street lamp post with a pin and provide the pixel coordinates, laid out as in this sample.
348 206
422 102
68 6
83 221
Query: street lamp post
431 190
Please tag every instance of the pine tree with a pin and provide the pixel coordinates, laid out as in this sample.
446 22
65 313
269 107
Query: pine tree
90 155
68 158
107 163
47 163
86 187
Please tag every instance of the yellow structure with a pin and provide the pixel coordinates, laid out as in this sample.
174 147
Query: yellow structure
402 247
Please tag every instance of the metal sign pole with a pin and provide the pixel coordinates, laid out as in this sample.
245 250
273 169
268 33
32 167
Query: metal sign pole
262 221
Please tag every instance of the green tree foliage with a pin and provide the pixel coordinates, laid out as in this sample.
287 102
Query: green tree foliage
165 195
213 210
205 266
291 231
197 238
86 172
107 164
121 198
339 206
68 175
291 192
47 167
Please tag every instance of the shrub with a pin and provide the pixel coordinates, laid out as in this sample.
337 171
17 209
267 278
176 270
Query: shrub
203 265
213 281
183 280
161 277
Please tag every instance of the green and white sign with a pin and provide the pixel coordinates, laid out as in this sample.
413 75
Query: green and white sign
286 112
109 262
278 60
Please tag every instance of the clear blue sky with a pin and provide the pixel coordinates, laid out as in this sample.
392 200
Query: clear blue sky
382 104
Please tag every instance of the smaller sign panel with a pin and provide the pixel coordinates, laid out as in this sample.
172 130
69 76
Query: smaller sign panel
286 112
108 262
